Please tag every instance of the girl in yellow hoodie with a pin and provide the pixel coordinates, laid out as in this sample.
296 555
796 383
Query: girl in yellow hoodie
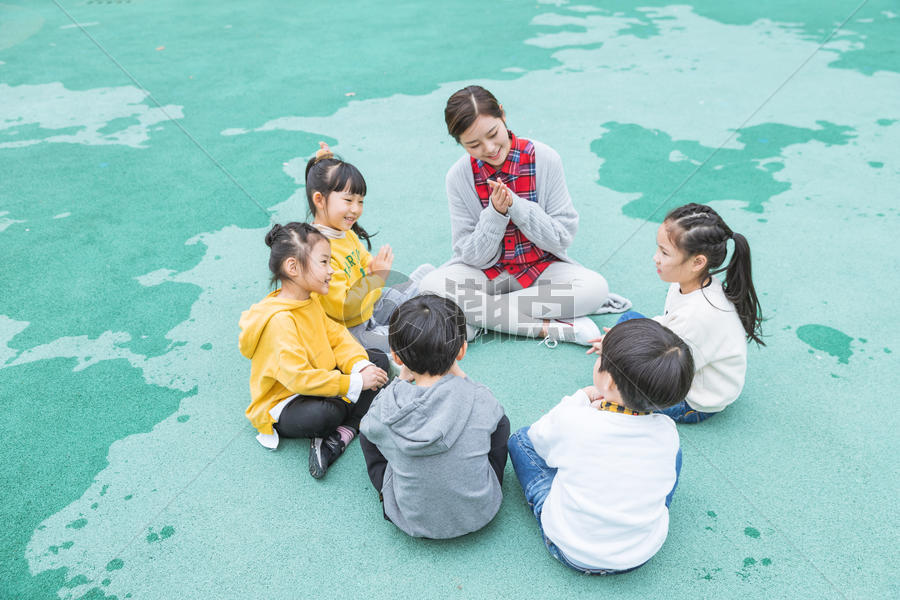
358 296
308 376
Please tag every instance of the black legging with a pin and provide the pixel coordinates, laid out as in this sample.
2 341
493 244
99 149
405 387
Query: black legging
376 463
315 416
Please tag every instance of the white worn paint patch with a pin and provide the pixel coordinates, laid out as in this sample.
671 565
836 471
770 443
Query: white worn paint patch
9 328
84 350
79 25
155 277
5 221
63 215
101 116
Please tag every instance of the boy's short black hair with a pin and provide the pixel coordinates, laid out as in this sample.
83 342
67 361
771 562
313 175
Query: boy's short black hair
651 366
427 332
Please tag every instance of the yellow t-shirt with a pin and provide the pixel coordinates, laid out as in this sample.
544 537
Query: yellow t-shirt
352 294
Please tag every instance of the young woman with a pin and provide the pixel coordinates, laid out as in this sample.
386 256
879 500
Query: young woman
512 220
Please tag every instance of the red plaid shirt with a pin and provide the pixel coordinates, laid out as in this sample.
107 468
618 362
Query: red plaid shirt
520 257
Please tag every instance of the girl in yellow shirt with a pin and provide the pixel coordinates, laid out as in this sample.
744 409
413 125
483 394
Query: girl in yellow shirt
357 297
308 376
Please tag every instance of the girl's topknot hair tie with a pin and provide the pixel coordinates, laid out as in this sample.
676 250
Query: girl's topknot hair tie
323 152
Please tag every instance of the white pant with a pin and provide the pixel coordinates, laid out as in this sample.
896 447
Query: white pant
563 291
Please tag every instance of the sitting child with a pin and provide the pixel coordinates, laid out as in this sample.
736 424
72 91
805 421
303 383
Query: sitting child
600 468
435 447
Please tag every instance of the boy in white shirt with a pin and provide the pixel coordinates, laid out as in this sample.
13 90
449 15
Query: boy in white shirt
600 468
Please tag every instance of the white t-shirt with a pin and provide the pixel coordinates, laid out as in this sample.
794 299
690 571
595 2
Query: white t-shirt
606 508
710 325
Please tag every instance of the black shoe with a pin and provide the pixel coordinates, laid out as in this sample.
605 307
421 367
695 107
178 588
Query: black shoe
323 452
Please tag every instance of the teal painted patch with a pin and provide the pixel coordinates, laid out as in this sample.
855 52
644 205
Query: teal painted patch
77 580
711 514
749 561
77 524
875 164
886 122
115 564
707 574
827 339
766 562
685 171
183 418
751 532
206 346
165 533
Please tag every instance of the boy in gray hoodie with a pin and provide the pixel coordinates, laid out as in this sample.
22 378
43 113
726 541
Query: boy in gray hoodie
435 447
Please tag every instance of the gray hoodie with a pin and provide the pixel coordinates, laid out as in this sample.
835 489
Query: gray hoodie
438 482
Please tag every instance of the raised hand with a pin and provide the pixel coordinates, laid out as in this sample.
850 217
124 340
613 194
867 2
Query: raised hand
597 343
382 262
501 196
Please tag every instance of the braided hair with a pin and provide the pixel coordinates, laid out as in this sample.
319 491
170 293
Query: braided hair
697 229
294 240
326 173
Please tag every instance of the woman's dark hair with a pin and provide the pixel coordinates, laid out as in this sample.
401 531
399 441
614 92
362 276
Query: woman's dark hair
466 105
698 229
292 240
331 174
651 366
427 333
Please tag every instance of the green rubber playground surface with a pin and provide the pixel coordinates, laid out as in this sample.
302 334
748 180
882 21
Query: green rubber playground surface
146 146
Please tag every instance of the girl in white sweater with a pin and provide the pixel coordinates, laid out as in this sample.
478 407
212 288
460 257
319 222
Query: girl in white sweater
716 319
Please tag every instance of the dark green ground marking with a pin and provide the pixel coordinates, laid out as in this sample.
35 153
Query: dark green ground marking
707 574
886 122
827 339
751 532
766 562
165 533
77 524
77 580
115 564
729 174
183 418
711 514
875 164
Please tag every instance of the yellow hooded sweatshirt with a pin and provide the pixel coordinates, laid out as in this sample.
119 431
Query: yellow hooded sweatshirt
294 348
352 294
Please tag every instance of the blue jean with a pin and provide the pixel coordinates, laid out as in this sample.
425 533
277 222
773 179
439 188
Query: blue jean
628 315
683 413
536 477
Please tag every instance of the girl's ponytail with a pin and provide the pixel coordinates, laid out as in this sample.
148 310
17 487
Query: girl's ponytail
698 229
740 291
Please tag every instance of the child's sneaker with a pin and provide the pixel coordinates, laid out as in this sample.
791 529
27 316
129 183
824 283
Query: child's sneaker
323 452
